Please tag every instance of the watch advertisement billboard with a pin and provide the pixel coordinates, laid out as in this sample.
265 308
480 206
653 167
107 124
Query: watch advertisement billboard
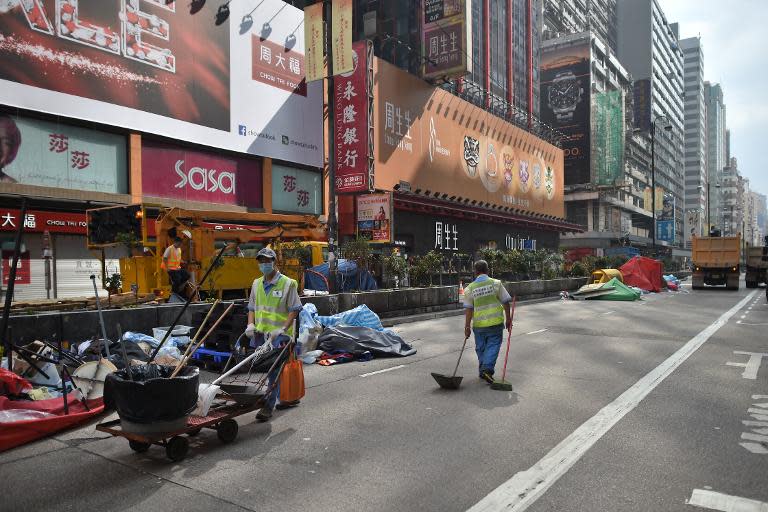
296 190
178 173
55 155
374 217
446 38
174 69
565 105
445 147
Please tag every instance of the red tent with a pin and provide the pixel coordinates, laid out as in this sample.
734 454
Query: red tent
643 273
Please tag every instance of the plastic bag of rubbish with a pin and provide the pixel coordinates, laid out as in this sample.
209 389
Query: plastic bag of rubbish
138 337
170 351
311 357
14 415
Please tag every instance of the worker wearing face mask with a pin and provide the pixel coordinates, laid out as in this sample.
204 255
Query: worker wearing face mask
272 308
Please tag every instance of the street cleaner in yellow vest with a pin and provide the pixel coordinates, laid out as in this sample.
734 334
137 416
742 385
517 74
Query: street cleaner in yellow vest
272 308
486 306
172 263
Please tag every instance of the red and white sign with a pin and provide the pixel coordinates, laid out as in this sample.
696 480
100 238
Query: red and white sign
176 173
40 221
23 272
351 121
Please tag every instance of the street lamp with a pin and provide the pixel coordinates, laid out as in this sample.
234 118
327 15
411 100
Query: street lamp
667 128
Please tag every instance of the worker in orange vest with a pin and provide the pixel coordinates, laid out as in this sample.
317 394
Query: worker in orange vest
172 263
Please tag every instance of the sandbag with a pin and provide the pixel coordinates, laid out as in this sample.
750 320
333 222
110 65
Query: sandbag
358 340
152 396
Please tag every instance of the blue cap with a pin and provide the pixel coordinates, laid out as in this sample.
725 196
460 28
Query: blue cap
267 253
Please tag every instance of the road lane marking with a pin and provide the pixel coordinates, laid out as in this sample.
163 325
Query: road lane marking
608 313
535 332
382 371
725 502
525 487
752 366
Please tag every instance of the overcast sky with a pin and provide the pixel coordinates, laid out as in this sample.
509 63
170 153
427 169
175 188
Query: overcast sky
734 36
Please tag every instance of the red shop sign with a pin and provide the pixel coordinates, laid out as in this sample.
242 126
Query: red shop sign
351 123
39 221
177 173
23 272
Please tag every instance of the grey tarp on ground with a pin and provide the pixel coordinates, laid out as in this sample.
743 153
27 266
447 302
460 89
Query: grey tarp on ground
357 340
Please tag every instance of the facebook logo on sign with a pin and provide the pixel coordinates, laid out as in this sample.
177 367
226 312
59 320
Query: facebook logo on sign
241 129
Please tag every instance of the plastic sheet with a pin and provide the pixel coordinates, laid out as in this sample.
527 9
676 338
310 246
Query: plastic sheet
152 395
348 278
358 340
14 415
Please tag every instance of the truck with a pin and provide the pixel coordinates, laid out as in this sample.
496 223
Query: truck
756 260
145 230
716 261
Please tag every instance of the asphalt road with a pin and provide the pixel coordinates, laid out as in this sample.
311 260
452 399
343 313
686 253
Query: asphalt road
616 406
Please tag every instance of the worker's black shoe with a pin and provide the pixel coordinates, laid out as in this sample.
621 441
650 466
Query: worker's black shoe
287 405
264 414
487 376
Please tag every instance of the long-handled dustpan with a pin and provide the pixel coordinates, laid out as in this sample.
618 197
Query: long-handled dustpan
452 382
503 385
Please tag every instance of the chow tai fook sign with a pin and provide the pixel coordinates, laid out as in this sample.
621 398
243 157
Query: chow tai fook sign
439 143
154 66
178 173
36 221
374 217
353 123
446 38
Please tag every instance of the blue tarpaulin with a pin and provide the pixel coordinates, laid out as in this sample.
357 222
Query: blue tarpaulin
348 278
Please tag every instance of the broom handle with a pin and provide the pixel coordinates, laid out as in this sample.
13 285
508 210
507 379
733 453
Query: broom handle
207 334
463 346
509 339
200 329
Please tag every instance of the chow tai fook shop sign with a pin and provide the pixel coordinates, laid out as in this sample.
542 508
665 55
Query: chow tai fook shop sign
37 221
439 143
353 123
154 66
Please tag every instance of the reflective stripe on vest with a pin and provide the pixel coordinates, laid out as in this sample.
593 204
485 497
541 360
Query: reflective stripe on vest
488 310
270 310
174 259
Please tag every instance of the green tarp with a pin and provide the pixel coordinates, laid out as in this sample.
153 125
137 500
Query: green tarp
620 291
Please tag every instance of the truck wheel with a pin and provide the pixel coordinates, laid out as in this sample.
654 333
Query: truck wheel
697 283
751 284
732 283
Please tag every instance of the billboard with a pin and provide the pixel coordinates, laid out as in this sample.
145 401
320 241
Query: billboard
341 36
313 42
55 155
171 69
608 137
444 146
565 105
665 225
374 217
296 190
446 39
178 173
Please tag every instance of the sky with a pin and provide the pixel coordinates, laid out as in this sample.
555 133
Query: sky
734 36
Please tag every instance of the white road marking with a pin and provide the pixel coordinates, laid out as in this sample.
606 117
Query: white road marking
608 313
725 502
752 366
524 488
535 332
756 448
382 371
747 323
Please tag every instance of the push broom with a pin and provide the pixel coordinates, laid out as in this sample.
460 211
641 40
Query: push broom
503 385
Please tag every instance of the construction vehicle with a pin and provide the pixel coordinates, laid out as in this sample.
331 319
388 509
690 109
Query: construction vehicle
716 261
146 230
756 260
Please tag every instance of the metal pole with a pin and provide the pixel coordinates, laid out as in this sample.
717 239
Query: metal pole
653 184
332 223
12 283
101 317
709 226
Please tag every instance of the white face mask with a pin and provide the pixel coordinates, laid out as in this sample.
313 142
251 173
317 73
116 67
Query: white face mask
266 268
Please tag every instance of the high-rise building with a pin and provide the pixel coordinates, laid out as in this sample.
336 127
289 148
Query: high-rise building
648 48
563 17
731 199
695 133
716 148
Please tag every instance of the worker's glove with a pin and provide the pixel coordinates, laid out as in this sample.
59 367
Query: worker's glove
250 331
276 334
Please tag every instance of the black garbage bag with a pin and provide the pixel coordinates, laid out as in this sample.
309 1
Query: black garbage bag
132 350
152 395
357 340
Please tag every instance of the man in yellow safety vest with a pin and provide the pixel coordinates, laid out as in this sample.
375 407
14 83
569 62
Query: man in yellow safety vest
273 306
486 305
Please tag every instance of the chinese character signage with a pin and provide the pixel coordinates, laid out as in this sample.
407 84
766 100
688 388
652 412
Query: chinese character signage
446 236
23 270
40 221
341 36
55 155
447 148
353 124
313 41
374 217
296 190
446 40
167 68
177 173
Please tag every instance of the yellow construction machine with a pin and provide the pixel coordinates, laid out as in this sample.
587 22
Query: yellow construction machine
146 230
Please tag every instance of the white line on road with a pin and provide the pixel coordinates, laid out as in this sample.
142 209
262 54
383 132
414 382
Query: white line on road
524 488
382 371
535 332
725 502
608 313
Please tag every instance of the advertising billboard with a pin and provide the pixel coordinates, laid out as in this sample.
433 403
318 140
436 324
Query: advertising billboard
565 105
296 190
439 144
168 68
374 217
446 39
608 137
56 155
179 173
665 224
